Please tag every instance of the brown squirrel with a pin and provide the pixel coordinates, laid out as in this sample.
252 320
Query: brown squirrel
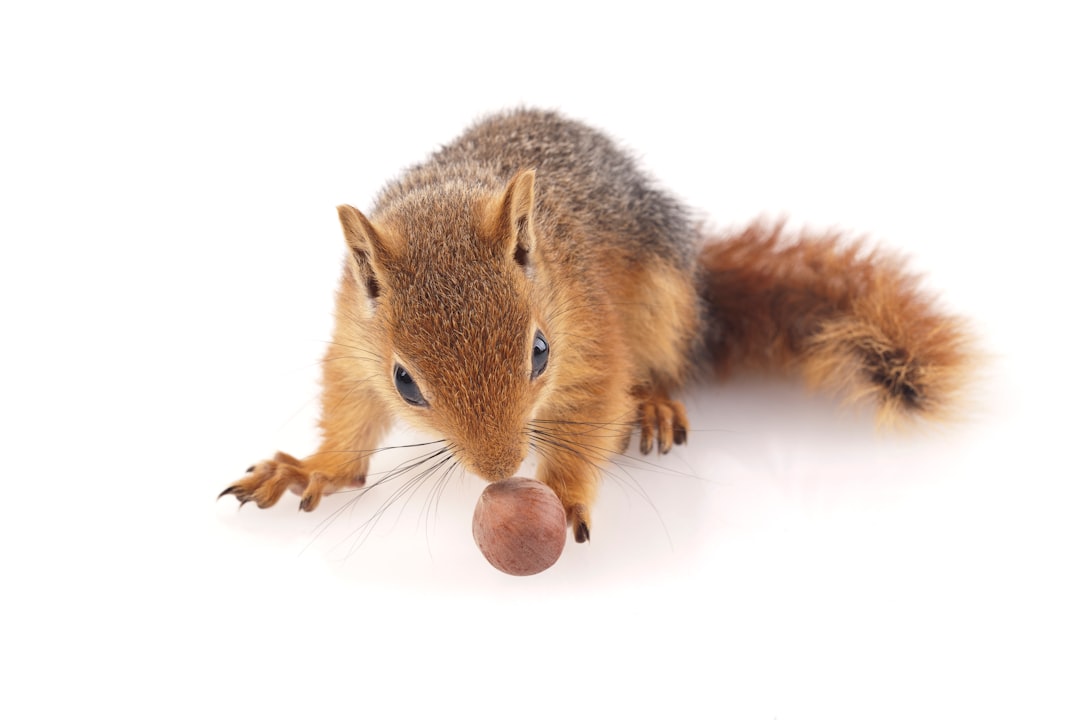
528 287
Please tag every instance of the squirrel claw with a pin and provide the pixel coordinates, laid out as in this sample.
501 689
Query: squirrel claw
310 500
581 532
237 492
578 519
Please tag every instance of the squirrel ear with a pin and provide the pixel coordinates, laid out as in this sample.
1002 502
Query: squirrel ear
366 246
516 216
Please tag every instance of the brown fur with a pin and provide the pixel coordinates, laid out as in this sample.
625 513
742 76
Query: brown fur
533 223
847 318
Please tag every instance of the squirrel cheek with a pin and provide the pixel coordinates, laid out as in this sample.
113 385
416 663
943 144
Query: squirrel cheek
541 389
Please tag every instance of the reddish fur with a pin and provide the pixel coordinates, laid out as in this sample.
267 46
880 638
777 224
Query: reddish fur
530 221
845 317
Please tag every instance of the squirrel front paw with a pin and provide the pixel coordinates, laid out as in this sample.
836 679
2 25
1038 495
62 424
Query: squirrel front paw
268 480
663 422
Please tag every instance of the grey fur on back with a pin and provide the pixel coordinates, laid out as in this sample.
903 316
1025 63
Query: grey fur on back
578 170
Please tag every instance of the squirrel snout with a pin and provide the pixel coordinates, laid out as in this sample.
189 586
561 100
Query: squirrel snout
495 470
491 446
494 462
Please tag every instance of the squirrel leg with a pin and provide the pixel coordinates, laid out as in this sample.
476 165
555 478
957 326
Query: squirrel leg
571 459
575 481
352 423
333 467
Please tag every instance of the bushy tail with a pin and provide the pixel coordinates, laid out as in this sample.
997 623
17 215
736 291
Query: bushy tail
846 317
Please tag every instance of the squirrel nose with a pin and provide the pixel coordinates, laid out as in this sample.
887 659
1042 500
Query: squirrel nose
495 463
495 471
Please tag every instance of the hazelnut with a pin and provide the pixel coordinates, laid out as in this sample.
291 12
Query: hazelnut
520 526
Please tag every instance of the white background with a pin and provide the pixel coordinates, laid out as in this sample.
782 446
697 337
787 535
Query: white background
169 254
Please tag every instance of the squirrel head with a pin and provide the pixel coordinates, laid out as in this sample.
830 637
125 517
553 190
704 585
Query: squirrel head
449 281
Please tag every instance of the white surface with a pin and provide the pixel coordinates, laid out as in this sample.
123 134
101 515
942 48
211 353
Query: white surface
169 255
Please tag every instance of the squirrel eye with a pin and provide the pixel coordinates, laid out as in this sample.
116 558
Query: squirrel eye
540 354
407 387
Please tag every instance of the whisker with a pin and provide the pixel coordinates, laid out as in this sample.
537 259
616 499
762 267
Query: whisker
430 511
603 454
405 491
384 477
549 442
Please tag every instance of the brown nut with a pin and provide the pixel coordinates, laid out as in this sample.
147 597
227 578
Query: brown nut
520 526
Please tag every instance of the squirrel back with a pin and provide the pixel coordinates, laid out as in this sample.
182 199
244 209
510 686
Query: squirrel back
583 177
